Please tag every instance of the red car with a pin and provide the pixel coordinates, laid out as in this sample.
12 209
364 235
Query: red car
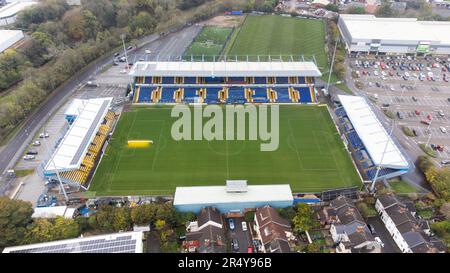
391 73
417 112
429 117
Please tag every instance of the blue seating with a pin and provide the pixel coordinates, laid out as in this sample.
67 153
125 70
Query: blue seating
340 112
145 94
260 80
305 95
236 80
212 95
236 95
355 140
168 80
148 80
283 95
301 80
215 80
190 80
260 95
190 94
282 80
167 94
383 172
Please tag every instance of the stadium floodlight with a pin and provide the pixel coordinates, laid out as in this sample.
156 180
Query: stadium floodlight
331 66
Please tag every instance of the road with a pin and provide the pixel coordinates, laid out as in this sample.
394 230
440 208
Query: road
389 245
171 45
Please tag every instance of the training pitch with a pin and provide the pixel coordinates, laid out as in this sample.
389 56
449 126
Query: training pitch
310 157
208 44
278 35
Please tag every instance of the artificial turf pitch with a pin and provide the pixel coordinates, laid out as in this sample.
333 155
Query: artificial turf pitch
311 156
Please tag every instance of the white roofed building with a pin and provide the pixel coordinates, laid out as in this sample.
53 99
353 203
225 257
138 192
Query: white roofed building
9 38
367 33
123 242
232 197
371 143
78 150
9 12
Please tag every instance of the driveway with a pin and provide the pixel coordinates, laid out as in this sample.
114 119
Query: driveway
383 233
243 237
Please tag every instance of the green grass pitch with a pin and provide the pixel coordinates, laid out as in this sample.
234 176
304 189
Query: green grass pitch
310 157
209 42
275 35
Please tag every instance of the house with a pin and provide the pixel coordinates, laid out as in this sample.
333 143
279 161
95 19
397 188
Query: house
410 234
206 235
348 228
274 232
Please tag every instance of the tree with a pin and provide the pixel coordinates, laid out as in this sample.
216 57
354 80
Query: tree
445 210
424 163
304 219
287 213
385 10
355 10
332 7
143 214
9 69
66 228
439 180
160 224
122 219
142 23
15 215
45 230
442 230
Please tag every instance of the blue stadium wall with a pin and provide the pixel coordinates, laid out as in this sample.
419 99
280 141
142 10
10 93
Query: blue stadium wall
234 207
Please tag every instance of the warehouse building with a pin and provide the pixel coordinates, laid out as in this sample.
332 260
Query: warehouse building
9 38
236 196
369 34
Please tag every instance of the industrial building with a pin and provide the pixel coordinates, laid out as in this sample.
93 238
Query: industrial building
236 196
9 38
369 34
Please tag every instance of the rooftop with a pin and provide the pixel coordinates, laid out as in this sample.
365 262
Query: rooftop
70 151
13 8
225 69
410 29
124 242
210 195
372 133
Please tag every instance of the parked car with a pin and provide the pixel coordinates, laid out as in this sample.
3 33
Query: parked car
130 48
426 122
371 228
43 135
36 143
385 105
378 240
32 152
445 162
29 157
441 113
443 129
400 115
244 226
417 112
414 99
231 223
235 245
147 51
116 54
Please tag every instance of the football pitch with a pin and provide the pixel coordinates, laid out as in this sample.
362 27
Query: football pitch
208 44
278 35
310 157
